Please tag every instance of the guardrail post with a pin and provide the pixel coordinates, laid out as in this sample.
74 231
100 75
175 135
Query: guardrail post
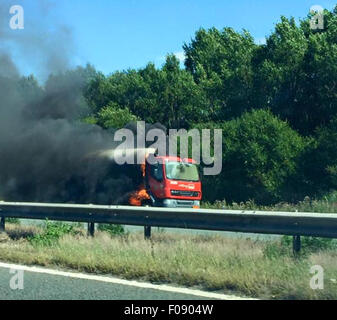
91 229
2 224
296 244
147 232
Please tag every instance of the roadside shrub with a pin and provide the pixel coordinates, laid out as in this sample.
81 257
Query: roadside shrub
248 205
328 204
274 250
311 244
52 233
260 155
13 220
112 116
112 229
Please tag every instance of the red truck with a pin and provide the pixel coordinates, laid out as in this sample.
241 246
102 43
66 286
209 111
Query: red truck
170 182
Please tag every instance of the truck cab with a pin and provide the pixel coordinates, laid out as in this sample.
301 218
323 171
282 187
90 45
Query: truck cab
173 182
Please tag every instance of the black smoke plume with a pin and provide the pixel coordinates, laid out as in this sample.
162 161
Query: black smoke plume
44 147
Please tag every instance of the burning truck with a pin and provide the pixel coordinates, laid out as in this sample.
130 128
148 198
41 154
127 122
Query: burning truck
165 181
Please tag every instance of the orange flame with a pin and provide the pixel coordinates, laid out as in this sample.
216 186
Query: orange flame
142 167
139 196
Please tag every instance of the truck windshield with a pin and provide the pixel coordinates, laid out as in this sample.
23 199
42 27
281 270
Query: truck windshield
181 171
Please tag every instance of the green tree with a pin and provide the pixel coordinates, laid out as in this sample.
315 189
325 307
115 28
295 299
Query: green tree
296 73
317 173
113 117
168 95
180 99
284 148
221 63
260 152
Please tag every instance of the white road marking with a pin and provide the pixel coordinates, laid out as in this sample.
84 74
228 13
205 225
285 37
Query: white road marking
133 283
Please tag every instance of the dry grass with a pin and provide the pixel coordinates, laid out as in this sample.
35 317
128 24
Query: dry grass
17 232
230 265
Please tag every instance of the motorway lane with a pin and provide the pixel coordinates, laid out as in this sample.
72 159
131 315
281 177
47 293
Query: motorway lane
41 286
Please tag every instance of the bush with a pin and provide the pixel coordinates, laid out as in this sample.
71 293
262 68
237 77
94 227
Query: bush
112 229
274 250
13 220
52 233
114 117
260 155
319 164
311 244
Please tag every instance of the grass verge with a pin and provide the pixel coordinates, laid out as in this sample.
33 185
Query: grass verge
247 267
327 204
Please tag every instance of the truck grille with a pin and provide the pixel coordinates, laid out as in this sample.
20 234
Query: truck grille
183 193
185 203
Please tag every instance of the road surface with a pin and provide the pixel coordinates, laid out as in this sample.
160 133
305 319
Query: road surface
23 282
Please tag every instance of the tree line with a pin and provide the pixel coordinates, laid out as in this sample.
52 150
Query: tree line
276 103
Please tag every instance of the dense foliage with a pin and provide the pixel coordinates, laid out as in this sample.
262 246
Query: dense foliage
276 104
260 156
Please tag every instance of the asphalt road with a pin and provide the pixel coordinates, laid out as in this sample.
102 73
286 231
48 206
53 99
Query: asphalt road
41 286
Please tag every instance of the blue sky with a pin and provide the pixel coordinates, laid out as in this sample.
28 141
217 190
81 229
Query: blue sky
118 34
